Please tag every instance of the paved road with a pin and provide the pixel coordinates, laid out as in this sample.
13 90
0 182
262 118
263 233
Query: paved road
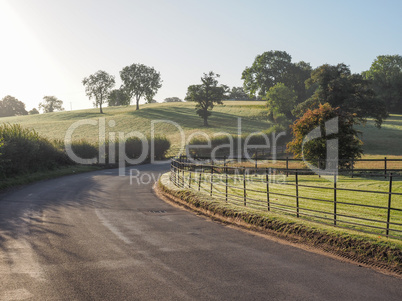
96 237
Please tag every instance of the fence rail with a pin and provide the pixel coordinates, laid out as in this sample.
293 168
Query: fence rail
301 194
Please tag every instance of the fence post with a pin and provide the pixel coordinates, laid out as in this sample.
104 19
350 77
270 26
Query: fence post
256 159
389 203
297 194
244 186
267 180
212 175
335 179
189 178
226 184
385 167
182 170
287 166
199 178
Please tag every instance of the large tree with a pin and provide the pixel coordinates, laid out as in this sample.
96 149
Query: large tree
140 81
98 87
273 67
206 95
385 74
349 146
11 106
337 86
281 100
51 104
118 97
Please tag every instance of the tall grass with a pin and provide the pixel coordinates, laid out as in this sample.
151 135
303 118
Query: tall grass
23 151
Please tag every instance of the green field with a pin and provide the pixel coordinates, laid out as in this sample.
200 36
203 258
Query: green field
316 202
377 142
127 119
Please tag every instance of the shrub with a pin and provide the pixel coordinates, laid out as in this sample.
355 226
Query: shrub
25 151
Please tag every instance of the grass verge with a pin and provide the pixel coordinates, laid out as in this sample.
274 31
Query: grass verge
44 175
367 249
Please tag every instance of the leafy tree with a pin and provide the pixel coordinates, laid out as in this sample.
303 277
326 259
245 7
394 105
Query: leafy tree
273 67
172 99
338 87
385 74
11 106
237 93
98 87
51 104
349 145
118 97
140 81
34 111
206 95
281 100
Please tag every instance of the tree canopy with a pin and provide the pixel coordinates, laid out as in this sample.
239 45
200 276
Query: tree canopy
349 145
237 93
34 111
11 106
118 97
385 75
98 87
140 81
172 99
281 100
273 67
51 104
337 86
206 95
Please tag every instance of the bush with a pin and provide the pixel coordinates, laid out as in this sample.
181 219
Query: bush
25 151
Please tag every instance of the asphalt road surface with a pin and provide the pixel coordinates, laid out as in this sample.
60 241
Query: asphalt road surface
94 236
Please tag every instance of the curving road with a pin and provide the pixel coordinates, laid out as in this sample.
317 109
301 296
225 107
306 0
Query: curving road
96 237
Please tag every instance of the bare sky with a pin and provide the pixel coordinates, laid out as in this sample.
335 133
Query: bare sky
49 46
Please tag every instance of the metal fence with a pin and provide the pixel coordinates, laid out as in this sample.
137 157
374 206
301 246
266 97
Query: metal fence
301 194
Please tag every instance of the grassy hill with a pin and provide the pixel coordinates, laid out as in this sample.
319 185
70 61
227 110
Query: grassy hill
385 141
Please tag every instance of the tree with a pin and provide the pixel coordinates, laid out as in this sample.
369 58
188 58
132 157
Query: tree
281 100
337 86
98 87
349 145
206 95
385 75
34 111
172 99
140 81
11 106
273 67
51 104
237 93
118 97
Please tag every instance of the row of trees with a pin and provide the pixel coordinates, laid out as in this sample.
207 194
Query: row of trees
139 81
307 97
11 106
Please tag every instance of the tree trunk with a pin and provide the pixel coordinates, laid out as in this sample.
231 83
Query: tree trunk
138 104
100 106
205 121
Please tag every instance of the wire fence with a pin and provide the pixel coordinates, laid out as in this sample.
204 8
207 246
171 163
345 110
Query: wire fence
369 203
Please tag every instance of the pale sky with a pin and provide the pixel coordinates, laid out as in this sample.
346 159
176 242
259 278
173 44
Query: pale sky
49 46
